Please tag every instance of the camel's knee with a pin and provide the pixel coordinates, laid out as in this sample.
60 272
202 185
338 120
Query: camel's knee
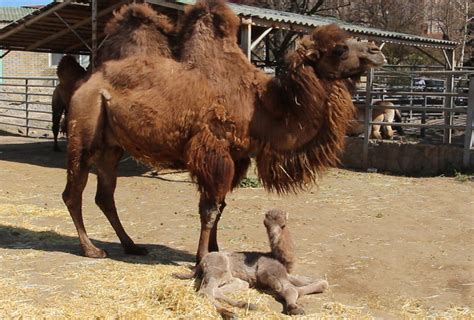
103 200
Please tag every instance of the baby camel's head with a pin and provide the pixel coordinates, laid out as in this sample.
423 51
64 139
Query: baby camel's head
275 220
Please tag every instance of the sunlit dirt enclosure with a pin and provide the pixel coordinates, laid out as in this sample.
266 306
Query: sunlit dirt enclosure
389 246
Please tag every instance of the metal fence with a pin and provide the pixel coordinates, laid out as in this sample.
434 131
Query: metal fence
25 105
446 107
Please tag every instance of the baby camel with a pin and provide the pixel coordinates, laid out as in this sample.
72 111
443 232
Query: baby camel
224 272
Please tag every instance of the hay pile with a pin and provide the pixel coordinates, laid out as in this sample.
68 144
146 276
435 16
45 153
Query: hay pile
42 277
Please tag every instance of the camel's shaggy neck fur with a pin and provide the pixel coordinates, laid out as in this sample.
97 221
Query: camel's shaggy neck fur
305 131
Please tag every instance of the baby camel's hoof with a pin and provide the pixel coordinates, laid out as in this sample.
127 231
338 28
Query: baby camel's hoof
294 310
136 250
93 252
228 315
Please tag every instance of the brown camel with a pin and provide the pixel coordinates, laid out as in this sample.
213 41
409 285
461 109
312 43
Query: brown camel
69 72
134 29
227 272
387 115
209 112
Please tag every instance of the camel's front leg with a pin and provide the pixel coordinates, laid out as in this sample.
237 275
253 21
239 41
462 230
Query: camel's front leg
213 246
209 213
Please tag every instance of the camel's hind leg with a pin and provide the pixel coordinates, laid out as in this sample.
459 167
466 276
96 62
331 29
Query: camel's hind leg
107 164
77 174
58 108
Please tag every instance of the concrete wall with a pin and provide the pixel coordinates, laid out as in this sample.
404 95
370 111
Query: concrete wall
407 158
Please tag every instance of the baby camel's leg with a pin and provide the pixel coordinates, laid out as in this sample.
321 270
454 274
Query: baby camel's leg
234 285
318 286
273 275
210 289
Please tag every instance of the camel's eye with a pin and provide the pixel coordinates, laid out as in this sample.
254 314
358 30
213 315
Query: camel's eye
341 51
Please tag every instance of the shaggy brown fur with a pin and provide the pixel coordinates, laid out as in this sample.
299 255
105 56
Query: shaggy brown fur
70 73
135 29
387 115
209 112
227 272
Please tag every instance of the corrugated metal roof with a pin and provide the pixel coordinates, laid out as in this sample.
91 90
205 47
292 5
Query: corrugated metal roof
41 30
299 22
9 14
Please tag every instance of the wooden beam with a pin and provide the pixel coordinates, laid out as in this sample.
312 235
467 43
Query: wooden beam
260 38
246 37
29 22
94 35
75 26
469 133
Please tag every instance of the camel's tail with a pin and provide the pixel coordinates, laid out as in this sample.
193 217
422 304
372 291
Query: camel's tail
134 15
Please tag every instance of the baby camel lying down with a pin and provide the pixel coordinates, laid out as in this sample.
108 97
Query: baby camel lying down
225 272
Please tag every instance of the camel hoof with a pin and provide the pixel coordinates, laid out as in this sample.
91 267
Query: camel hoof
294 310
136 250
228 315
96 253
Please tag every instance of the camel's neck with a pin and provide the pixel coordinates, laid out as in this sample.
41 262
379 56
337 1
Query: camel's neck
282 247
299 126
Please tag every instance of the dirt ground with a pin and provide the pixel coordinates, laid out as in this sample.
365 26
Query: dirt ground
389 246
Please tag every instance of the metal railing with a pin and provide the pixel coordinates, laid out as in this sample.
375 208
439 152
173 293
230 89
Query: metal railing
444 103
25 104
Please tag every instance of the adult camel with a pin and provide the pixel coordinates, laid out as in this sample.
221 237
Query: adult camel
208 112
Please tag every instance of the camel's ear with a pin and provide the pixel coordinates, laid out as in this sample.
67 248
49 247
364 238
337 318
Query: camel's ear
310 50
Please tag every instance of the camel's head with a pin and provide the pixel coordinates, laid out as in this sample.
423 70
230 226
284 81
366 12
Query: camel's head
335 55
212 17
275 220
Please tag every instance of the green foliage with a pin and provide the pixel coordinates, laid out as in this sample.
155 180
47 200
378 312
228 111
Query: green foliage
463 177
250 182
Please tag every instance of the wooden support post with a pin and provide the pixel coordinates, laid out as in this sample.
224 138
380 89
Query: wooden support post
448 101
469 134
27 107
246 37
94 35
368 117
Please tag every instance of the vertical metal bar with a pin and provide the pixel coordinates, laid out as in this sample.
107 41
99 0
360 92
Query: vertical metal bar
423 117
469 134
246 37
448 101
368 117
27 107
94 35
411 97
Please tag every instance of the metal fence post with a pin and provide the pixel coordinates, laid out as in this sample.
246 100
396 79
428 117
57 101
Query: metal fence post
27 106
423 117
368 117
468 134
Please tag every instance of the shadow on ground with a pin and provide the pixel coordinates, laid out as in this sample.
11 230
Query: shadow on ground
16 238
39 152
